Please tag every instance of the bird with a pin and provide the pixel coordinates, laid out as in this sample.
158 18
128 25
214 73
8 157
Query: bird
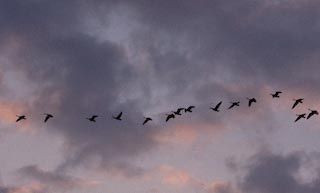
48 116
21 117
170 116
118 117
312 112
146 120
93 118
233 104
189 109
251 100
216 108
276 94
178 112
297 101
300 117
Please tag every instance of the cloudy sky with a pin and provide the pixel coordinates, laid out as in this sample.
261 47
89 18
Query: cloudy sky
74 59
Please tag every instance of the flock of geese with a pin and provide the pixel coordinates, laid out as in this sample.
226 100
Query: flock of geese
189 109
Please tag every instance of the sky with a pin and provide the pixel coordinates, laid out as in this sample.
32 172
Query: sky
146 58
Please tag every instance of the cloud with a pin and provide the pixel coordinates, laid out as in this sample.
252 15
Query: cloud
9 110
220 187
4 189
175 177
183 180
75 76
268 172
240 42
187 133
193 52
53 180
31 188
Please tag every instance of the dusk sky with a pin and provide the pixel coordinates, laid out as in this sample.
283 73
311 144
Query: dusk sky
146 58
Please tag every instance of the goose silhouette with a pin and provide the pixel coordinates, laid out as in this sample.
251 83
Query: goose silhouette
147 119
251 100
276 94
170 116
93 118
118 117
300 116
216 108
48 116
22 117
296 102
189 109
233 104
312 112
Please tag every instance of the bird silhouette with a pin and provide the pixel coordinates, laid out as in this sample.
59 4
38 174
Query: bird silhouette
93 118
300 116
216 108
233 104
276 94
189 109
251 100
146 120
178 112
312 112
118 117
296 102
22 117
48 116
170 116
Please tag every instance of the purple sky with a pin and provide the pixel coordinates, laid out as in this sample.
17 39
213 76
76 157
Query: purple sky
147 58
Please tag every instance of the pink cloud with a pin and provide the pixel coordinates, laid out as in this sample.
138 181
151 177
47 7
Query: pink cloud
187 133
32 188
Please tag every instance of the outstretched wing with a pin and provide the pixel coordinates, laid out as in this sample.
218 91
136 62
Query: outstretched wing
310 115
300 117
218 105
295 104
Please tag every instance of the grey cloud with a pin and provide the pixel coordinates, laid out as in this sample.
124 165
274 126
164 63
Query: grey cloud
274 173
86 75
245 42
52 180
264 42
21 189
33 19
4 189
91 85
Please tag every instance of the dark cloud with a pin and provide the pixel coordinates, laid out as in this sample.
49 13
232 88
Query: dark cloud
273 173
22 189
36 19
77 76
260 41
89 82
195 50
4 189
52 180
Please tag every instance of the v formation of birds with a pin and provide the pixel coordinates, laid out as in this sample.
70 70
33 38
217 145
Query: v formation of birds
189 109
